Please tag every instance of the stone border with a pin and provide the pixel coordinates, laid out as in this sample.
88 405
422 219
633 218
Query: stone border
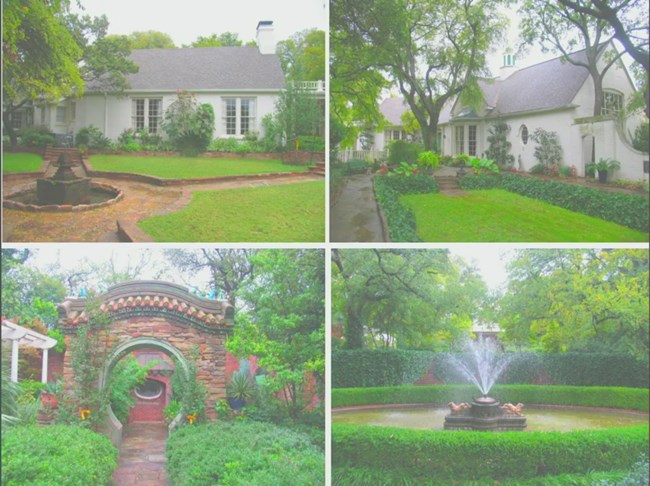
64 208
382 218
130 233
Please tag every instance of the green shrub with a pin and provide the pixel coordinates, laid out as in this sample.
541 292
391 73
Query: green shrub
626 209
548 150
30 390
483 166
641 139
400 220
311 143
92 138
614 397
337 178
378 367
428 160
422 455
356 166
242 453
56 454
402 151
537 169
35 137
126 376
189 125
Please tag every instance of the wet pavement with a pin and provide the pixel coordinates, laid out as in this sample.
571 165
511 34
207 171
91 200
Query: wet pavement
142 456
140 201
354 217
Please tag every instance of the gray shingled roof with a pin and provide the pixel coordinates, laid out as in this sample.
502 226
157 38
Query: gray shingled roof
393 109
544 86
205 68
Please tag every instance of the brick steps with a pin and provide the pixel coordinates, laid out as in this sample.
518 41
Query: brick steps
319 169
52 154
447 183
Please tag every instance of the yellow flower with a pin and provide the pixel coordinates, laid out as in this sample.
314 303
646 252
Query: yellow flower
191 418
84 414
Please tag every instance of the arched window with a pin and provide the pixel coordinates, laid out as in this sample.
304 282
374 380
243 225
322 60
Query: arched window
523 132
612 102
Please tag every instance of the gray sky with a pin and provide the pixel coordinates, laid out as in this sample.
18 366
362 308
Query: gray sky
186 20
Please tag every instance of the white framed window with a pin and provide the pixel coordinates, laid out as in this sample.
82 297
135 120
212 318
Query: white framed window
395 134
239 115
146 114
460 139
60 114
612 102
471 140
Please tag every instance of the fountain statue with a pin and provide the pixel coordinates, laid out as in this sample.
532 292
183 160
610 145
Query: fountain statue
483 367
64 187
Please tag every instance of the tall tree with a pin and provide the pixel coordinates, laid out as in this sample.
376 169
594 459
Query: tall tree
559 28
432 50
150 39
229 268
629 20
283 323
418 298
569 300
302 56
225 39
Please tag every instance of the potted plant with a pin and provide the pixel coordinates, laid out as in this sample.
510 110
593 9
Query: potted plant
240 389
604 167
49 392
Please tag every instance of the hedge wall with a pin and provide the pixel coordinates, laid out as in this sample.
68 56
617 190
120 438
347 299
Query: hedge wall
611 397
580 369
57 454
378 367
433 457
425 456
626 209
400 220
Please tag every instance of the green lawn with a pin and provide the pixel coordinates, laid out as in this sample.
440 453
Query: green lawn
284 213
500 216
188 167
20 162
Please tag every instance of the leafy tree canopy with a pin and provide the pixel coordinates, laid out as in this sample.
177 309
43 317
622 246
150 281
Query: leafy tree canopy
218 40
302 56
150 39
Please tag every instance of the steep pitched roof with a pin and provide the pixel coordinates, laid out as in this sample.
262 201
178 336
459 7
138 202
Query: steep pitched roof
205 68
393 109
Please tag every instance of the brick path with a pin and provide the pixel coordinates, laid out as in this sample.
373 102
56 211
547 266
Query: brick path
142 456
140 201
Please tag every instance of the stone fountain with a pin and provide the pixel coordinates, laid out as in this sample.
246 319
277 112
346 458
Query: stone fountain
483 368
64 187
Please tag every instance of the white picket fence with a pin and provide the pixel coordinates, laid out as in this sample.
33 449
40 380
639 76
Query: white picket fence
367 155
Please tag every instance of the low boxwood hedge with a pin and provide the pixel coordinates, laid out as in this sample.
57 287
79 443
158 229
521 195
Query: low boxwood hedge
378 367
426 457
56 455
593 396
242 453
400 220
361 452
626 209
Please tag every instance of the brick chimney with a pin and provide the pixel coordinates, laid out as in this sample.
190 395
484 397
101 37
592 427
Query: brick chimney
264 37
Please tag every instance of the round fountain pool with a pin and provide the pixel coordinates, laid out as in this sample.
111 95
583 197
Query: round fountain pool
100 195
562 419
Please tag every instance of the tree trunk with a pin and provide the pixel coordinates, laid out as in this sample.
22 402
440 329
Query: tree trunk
354 330
598 91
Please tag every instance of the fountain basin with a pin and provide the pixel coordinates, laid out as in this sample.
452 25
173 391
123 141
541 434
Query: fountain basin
100 195
71 192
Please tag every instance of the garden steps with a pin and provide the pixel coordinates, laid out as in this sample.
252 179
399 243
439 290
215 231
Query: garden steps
319 169
52 154
447 183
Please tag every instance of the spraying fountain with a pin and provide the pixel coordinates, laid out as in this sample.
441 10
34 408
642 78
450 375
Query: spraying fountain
482 368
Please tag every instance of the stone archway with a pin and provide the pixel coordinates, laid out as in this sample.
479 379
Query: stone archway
161 316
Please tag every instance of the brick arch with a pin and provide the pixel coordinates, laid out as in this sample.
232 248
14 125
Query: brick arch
161 316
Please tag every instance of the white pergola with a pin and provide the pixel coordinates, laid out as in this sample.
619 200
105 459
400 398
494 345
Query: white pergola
20 335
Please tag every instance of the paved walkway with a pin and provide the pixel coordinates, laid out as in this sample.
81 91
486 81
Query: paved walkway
140 201
355 216
142 456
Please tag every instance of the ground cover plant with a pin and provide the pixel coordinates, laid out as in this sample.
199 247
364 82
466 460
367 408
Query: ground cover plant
360 452
57 454
498 215
20 162
293 212
242 453
189 167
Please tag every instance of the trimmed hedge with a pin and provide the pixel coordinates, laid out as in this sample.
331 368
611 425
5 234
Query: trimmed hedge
626 209
421 455
612 397
400 219
378 367
57 454
242 453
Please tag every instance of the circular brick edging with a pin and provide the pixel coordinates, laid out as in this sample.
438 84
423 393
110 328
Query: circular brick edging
64 208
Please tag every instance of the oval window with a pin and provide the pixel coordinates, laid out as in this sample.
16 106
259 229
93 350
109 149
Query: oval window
149 390
524 134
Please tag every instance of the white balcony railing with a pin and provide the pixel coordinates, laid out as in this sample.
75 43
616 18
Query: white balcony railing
317 86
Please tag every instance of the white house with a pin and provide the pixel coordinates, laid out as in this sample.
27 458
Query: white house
554 95
241 83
